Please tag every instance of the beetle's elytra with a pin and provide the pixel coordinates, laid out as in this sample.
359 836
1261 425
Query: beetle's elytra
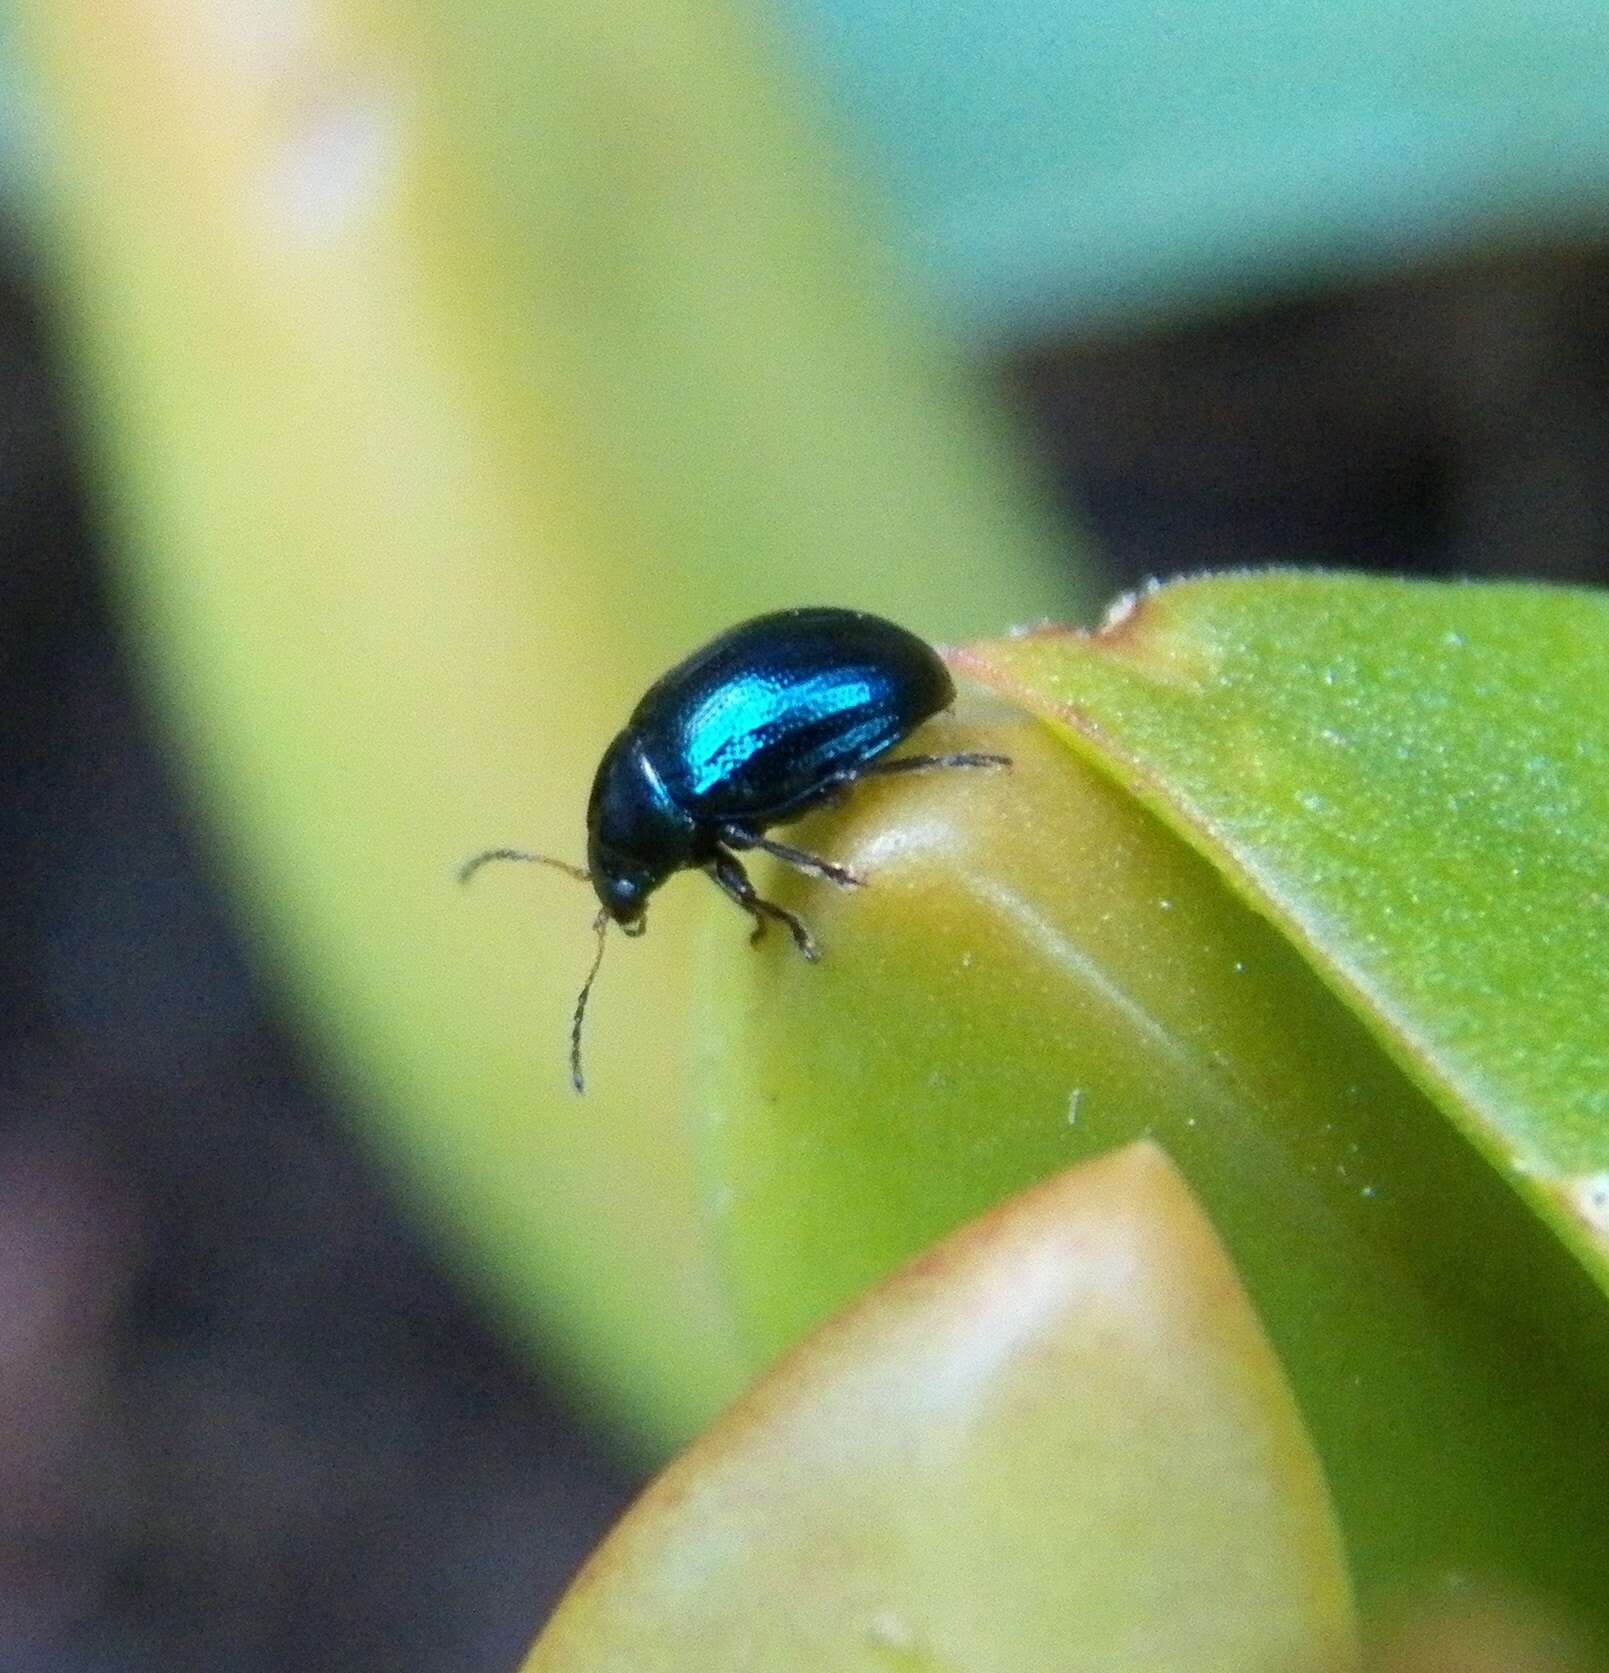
766 722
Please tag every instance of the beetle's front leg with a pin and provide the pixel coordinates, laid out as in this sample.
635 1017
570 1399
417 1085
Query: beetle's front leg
728 872
735 836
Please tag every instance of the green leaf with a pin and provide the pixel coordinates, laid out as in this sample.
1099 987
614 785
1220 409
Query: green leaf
1412 781
1046 964
442 409
1059 1441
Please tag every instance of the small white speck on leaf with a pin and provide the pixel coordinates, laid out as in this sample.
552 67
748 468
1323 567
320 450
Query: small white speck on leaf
889 1630
1118 611
1589 1197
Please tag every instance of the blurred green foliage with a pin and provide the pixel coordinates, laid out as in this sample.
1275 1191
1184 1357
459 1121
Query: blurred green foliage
453 373
1053 166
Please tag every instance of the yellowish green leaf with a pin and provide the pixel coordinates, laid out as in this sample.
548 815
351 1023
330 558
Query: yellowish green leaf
1059 1441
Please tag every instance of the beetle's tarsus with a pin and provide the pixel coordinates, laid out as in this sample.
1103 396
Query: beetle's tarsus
727 870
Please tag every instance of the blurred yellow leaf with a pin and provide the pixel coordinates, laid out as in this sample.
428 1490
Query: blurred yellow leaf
1058 1441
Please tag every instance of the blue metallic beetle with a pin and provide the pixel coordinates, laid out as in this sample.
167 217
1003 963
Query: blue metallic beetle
770 720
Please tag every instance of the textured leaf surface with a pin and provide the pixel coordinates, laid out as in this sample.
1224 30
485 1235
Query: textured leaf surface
1412 781
1059 1441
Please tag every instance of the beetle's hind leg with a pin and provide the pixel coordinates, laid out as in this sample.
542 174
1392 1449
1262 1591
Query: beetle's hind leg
922 763
728 872
839 784
734 836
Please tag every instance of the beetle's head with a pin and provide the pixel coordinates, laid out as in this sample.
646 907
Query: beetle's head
636 835
623 886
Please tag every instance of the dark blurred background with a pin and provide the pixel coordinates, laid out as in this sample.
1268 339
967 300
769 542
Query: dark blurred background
247 1423
244 1422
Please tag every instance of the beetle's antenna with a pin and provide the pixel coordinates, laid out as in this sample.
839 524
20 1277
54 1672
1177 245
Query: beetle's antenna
468 869
601 925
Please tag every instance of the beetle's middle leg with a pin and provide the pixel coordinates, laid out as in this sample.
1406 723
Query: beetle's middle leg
735 836
728 872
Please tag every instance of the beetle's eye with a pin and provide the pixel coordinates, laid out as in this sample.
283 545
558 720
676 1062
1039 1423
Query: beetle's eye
625 893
